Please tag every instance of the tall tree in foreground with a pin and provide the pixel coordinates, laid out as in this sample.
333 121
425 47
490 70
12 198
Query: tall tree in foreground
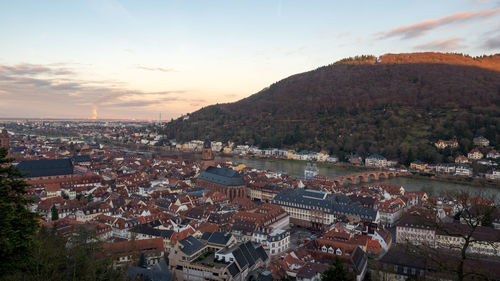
55 213
335 272
17 224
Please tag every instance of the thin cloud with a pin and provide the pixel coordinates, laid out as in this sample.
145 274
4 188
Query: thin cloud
491 39
419 29
492 43
39 88
341 35
155 68
445 45
34 69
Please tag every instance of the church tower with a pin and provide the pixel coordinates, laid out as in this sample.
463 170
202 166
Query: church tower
4 141
207 156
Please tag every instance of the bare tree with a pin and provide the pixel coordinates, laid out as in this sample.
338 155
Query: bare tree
458 235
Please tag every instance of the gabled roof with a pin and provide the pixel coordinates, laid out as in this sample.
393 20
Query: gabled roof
240 258
224 176
190 245
217 238
330 203
45 167
233 269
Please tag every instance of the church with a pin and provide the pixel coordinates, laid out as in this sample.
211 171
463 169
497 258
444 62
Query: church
227 181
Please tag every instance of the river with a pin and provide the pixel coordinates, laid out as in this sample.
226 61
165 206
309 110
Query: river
433 187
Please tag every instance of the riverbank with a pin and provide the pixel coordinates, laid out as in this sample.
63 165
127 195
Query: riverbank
319 164
434 186
476 182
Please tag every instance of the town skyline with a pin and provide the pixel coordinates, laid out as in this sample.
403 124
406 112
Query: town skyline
122 60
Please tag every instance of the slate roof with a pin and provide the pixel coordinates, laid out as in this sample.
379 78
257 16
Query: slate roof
246 253
240 258
332 204
148 230
45 167
82 158
233 269
218 238
310 270
224 176
190 245
376 156
262 253
148 274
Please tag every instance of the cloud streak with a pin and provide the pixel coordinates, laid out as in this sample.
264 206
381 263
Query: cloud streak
155 68
445 45
53 89
421 28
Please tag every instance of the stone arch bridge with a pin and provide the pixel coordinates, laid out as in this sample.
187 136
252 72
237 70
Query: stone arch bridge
367 177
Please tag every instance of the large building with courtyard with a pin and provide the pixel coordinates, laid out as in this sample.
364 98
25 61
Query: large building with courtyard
318 209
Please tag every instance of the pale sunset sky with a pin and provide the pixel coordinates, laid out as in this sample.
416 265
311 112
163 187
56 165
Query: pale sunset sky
135 59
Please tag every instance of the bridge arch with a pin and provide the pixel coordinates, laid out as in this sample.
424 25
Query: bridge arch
346 181
382 175
372 177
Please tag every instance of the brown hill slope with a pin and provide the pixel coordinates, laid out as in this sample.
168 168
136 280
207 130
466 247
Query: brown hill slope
393 105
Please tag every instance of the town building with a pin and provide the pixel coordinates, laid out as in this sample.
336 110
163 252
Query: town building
484 239
274 242
318 209
355 159
310 171
463 170
46 168
445 168
475 154
375 160
390 210
223 180
493 175
418 166
481 141
493 154
207 156
415 229
460 159
442 144
192 259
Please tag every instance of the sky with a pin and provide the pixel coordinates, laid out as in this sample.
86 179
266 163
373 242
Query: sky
139 59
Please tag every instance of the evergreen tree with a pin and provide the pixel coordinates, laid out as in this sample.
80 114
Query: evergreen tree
17 224
335 272
55 213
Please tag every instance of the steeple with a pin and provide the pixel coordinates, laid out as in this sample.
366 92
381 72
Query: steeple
207 156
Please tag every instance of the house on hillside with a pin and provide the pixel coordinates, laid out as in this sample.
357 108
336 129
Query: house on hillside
493 154
475 154
442 144
460 159
445 168
463 170
418 166
481 141
355 159
375 160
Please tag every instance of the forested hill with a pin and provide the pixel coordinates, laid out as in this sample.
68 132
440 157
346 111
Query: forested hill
395 105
